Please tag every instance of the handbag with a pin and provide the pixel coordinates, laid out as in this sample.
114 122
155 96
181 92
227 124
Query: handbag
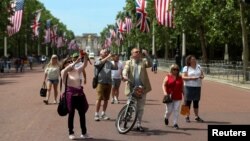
167 99
43 90
62 108
184 110
95 78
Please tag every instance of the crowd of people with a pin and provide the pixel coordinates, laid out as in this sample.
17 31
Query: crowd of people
182 86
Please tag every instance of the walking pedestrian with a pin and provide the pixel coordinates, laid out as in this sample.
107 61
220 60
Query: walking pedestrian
103 88
135 70
173 85
192 76
52 73
155 64
116 79
76 99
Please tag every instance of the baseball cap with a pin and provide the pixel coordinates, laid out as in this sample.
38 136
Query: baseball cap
75 55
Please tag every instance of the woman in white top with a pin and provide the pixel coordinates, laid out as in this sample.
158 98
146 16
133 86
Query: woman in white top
76 99
192 76
52 73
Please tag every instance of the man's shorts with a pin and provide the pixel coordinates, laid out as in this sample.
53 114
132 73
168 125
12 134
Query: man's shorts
103 91
116 83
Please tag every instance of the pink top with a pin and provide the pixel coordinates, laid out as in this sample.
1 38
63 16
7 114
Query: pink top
74 75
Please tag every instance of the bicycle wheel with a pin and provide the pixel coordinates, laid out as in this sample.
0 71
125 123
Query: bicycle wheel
126 120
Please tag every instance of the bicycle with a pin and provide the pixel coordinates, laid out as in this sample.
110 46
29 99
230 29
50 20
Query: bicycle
127 116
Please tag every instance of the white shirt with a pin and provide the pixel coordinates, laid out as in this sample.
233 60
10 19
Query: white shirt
116 74
77 65
193 72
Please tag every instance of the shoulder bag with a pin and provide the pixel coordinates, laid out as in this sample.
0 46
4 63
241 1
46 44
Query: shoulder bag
43 90
95 79
62 108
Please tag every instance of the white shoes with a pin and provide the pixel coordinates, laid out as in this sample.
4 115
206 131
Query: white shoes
72 136
105 117
86 136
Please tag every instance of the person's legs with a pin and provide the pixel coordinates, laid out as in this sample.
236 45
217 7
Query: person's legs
188 103
81 112
49 86
169 109
140 108
176 107
106 96
71 117
55 86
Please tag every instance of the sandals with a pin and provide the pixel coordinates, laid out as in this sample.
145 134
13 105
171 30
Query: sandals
46 102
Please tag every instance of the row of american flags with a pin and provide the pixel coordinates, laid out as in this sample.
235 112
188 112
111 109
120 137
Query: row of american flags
164 14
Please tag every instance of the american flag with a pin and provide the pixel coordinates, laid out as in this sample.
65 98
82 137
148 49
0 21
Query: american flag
35 26
128 23
16 19
141 15
164 12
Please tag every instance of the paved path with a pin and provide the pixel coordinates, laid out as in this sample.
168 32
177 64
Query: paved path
24 117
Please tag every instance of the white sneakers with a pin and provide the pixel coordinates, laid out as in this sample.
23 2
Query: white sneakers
85 136
72 136
103 116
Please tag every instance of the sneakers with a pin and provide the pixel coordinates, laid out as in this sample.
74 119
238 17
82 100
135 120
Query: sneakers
86 136
72 137
139 128
176 126
97 118
116 101
112 101
105 117
187 119
166 121
198 119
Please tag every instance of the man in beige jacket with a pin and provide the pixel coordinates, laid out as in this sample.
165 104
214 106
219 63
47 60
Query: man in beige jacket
135 70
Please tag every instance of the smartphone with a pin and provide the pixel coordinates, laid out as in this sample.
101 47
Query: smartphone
82 53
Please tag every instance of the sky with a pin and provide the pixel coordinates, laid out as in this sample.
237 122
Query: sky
85 16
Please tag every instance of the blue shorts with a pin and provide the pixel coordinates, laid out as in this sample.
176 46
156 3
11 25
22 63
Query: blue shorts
56 81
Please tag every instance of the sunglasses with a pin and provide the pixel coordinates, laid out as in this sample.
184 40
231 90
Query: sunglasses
175 69
136 51
69 61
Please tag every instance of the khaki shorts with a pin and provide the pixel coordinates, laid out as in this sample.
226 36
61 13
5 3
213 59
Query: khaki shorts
103 91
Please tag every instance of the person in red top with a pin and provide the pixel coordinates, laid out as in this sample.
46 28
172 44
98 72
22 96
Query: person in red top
173 85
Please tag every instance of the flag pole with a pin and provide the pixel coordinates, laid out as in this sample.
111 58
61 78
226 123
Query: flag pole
153 40
5 46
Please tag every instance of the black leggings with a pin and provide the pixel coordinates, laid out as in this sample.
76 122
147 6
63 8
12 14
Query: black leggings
77 103
195 104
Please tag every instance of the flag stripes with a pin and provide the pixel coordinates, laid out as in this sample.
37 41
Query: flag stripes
16 19
164 12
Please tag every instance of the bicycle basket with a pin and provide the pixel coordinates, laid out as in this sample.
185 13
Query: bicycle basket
138 91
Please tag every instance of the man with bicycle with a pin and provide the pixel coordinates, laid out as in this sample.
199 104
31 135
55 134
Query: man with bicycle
135 70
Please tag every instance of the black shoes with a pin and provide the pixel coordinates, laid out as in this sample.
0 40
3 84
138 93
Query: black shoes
198 119
187 119
176 126
46 102
166 121
139 128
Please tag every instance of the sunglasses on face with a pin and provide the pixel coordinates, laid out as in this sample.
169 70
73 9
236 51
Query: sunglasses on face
136 51
69 61
175 69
